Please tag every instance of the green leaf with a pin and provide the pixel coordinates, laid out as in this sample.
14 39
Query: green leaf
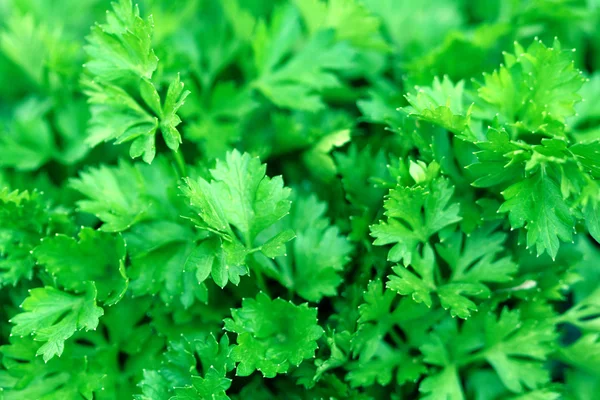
474 262
478 45
69 376
184 377
154 386
318 159
350 20
298 82
273 335
380 316
414 214
419 287
168 117
241 195
122 57
478 257
442 104
53 316
223 261
121 48
46 57
591 214
203 198
116 115
586 154
276 246
228 109
317 255
124 195
515 349
24 219
389 366
381 104
428 22
250 200
237 206
499 160
443 385
537 204
359 171
536 88
584 353
213 385
97 257
151 96
28 142
114 195
163 271
201 259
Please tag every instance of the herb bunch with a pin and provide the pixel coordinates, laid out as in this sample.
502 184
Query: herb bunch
300 199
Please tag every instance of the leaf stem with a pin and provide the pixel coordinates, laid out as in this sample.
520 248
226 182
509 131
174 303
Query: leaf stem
396 338
260 280
254 266
180 161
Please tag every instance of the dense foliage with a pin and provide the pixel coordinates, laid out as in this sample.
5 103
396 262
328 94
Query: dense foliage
300 199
